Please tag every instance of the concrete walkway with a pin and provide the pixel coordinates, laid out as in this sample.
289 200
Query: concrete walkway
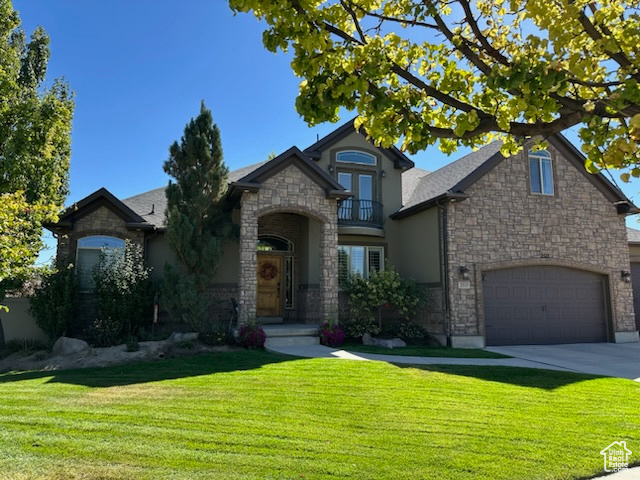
620 360
320 351
608 359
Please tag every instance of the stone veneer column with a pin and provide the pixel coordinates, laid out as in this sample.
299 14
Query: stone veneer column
248 258
329 269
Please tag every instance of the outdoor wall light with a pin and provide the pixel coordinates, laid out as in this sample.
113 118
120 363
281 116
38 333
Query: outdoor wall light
626 276
330 168
383 174
464 273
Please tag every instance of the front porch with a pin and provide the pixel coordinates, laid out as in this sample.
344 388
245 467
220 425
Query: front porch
288 265
291 335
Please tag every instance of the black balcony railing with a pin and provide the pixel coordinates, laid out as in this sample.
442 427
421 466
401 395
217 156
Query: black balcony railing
365 213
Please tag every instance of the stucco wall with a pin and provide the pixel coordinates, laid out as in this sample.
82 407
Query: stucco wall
17 323
414 246
503 224
634 253
390 185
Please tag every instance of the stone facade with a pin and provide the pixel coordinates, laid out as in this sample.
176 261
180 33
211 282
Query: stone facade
502 225
101 221
289 190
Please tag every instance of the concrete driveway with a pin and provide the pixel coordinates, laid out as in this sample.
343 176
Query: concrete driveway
611 359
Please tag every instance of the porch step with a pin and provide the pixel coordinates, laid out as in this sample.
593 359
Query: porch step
287 335
290 341
268 320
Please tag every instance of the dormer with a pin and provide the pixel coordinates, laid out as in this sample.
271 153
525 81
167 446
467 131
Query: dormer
372 174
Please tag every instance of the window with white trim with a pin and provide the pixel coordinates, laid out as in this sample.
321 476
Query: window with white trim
355 156
88 256
540 172
358 260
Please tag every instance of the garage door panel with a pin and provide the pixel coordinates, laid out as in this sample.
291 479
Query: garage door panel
535 293
544 304
502 292
520 313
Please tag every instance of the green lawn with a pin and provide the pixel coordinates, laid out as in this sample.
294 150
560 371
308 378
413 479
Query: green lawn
261 415
423 351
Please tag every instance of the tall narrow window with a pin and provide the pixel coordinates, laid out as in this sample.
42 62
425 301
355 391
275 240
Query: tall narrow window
540 172
88 256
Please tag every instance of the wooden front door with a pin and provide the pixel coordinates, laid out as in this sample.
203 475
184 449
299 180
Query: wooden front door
269 303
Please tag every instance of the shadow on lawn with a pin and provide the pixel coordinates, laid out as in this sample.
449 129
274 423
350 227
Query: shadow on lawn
154 371
523 377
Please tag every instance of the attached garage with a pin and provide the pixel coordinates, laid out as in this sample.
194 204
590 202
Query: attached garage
536 305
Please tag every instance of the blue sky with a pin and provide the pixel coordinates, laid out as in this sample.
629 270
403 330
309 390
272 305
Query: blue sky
139 70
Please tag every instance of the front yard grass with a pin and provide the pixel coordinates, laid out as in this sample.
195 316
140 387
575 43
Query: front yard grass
261 415
423 351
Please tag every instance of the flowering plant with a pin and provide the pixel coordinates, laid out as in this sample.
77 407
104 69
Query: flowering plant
331 334
252 336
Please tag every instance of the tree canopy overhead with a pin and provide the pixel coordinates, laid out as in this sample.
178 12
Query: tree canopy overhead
35 142
462 72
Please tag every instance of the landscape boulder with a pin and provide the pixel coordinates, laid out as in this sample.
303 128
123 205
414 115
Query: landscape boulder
382 342
70 346
183 337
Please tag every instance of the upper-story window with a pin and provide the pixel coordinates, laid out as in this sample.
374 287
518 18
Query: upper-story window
88 256
354 156
540 172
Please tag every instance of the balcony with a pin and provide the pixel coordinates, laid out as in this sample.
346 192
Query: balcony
360 213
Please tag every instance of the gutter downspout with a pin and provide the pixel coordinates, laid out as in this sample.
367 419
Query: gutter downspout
445 271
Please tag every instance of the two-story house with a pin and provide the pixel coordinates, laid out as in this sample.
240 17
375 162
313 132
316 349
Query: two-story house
527 249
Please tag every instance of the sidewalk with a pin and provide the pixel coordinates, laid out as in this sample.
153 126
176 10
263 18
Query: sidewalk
320 351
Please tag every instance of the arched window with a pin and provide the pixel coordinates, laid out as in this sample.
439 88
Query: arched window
271 243
540 172
88 255
355 156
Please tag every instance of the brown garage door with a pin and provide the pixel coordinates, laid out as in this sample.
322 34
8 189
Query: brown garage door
635 281
544 305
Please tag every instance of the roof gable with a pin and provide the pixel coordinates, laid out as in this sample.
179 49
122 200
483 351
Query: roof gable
99 198
399 159
452 181
253 180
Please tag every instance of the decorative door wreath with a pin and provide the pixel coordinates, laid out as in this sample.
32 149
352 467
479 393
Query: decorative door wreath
268 271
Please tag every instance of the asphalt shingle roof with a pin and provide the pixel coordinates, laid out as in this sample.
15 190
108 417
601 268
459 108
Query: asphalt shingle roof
152 204
446 178
633 235
410 180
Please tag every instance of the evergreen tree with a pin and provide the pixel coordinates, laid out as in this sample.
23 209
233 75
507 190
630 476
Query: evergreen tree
198 222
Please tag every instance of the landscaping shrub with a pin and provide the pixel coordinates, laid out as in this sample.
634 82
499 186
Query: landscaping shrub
124 296
331 334
387 290
53 305
357 327
411 333
216 338
25 346
252 336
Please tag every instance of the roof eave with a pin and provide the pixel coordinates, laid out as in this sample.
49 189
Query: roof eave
447 197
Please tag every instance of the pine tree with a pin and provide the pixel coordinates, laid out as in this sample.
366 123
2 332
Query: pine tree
198 222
